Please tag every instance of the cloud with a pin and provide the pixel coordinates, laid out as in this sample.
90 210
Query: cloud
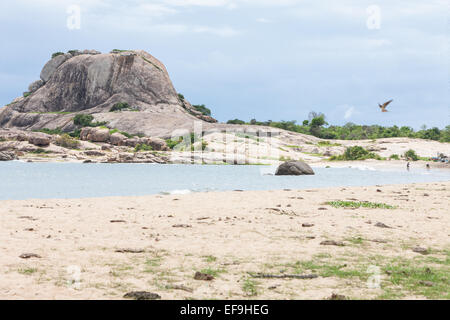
263 20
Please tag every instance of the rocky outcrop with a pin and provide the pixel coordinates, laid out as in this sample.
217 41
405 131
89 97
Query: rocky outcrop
95 134
294 168
39 139
118 139
189 108
90 82
7 156
35 86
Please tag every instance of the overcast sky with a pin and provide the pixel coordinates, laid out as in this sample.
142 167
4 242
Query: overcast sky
263 59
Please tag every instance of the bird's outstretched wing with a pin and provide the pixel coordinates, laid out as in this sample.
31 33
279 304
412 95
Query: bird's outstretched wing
384 105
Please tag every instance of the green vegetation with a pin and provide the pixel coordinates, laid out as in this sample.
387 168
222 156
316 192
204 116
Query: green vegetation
75 134
143 147
250 287
118 50
171 143
317 126
394 157
203 109
210 259
54 55
85 120
50 131
27 271
328 144
359 204
148 61
40 151
213 272
400 277
126 134
66 141
119 106
26 94
411 155
194 139
235 121
356 153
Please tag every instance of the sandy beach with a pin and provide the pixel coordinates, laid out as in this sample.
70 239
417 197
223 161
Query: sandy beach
252 242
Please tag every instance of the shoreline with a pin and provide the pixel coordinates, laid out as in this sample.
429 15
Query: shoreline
230 235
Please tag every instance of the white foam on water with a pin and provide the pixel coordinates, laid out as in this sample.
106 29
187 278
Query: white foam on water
268 170
363 168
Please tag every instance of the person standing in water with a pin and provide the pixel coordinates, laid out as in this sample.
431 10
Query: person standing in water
407 166
428 166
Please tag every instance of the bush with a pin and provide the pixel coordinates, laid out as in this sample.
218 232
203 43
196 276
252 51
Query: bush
172 143
119 106
143 147
26 94
181 97
411 155
66 141
203 109
235 121
356 153
40 151
394 157
85 120
75 134
50 131
57 54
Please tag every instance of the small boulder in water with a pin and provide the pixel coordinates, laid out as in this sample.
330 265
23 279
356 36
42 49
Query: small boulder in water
294 168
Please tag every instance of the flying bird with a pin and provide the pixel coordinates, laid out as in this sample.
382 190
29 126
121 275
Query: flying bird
384 105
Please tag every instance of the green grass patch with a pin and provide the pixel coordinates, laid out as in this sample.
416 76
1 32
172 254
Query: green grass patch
328 144
119 107
27 271
40 151
143 147
86 120
250 287
213 272
210 259
359 204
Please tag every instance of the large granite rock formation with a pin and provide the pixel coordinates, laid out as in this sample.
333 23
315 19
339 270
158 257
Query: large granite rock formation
294 168
90 82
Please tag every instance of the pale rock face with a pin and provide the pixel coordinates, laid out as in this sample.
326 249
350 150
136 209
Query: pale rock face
90 82
117 139
95 134
156 143
39 139
35 85
51 66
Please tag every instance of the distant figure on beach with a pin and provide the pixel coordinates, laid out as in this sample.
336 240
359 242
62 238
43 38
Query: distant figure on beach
384 105
407 166
428 166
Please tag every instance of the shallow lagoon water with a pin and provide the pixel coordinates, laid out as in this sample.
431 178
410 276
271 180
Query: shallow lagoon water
20 180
